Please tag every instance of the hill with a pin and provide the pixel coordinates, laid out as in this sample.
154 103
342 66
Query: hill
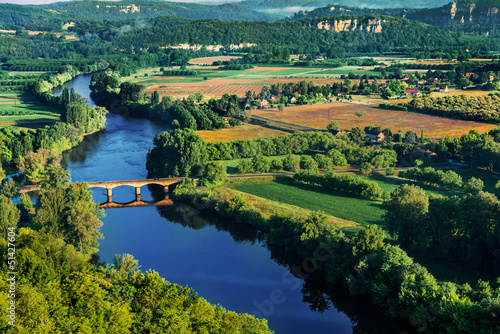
344 34
458 13
13 17
140 9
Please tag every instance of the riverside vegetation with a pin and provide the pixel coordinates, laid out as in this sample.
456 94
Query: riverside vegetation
363 262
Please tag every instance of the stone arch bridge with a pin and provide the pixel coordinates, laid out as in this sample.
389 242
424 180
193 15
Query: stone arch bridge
166 183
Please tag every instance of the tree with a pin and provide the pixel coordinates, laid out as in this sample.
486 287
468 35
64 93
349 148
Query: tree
292 163
473 185
410 137
368 240
359 114
281 107
265 93
365 168
309 164
406 212
155 98
338 158
357 135
54 175
69 212
9 215
261 163
180 152
126 264
333 126
214 174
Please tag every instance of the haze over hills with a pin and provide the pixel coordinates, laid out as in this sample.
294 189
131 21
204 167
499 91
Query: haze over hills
287 7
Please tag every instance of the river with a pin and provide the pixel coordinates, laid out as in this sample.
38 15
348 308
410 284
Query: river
226 263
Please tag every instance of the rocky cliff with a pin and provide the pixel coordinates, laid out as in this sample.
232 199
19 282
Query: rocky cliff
372 25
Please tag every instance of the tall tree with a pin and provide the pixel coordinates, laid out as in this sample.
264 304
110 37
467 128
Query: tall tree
9 215
406 211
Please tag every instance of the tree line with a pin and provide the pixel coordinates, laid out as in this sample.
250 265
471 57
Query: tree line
186 113
348 184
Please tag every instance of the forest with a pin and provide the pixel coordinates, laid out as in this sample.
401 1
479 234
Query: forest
479 108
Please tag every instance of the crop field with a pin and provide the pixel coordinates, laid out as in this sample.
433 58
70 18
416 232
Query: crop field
246 131
23 111
314 198
210 60
318 116
220 82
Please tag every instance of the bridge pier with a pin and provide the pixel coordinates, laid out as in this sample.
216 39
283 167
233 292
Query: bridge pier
137 193
166 191
110 195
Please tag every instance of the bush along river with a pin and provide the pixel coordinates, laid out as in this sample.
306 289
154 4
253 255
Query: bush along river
224 262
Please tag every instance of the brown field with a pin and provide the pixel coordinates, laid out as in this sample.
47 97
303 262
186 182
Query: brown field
432 63
318 116
210 60
246 131
218 87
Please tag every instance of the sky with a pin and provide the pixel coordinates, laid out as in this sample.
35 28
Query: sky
41 2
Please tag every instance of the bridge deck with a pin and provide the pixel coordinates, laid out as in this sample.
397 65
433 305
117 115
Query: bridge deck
112 184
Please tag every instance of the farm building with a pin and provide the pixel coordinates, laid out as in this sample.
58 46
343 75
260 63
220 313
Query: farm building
375 135
413 92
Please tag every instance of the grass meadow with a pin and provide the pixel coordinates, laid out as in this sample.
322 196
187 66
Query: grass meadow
22 110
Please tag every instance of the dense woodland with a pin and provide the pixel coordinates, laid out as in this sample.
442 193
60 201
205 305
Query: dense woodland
59 290
478 108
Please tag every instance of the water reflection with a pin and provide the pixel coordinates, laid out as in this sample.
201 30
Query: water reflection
319 295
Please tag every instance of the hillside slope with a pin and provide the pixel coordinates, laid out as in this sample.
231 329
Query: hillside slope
13 17
136 9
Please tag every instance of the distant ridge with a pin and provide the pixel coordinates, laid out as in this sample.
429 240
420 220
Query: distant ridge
136 9
288 7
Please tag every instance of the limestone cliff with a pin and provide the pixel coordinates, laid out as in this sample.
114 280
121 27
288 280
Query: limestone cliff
374 25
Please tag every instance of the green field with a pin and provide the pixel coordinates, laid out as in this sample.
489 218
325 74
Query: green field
26 111
315 198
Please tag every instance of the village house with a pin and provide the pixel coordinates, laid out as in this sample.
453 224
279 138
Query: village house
469 74
413 92
263 103
293 100
439 58
375 135
274 97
